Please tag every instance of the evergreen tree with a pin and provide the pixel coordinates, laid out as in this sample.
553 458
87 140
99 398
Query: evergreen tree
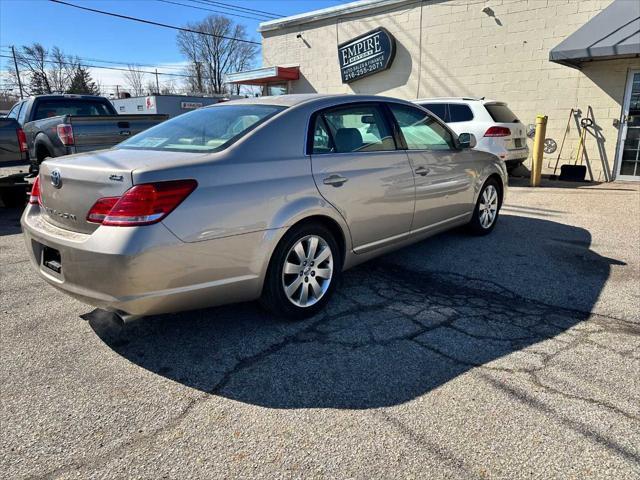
82 83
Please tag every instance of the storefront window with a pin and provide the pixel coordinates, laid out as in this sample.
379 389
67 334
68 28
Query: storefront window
276 89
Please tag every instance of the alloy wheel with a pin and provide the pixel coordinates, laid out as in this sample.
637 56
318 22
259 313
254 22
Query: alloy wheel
488 207
307 271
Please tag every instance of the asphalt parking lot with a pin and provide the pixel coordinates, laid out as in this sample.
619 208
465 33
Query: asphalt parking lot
515 355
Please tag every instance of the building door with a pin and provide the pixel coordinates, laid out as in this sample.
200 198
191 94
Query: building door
629 153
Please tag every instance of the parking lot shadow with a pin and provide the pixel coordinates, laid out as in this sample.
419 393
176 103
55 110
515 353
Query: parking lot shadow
391 334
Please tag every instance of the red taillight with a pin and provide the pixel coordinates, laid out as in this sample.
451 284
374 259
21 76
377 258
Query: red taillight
34 196
101 209
65 134
142 204
497 132
22 140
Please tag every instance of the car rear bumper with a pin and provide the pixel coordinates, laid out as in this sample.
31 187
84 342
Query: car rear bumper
147 270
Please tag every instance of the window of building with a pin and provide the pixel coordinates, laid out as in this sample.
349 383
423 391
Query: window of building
276 89
359 129
420 130
459 112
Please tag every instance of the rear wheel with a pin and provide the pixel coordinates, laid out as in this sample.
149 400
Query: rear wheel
302 273
487 208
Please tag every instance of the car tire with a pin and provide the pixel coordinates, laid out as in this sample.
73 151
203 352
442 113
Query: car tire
487 209
298 264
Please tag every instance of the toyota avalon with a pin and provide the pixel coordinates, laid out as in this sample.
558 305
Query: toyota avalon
266 198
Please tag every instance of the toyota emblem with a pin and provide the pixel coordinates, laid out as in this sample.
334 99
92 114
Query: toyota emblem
56 179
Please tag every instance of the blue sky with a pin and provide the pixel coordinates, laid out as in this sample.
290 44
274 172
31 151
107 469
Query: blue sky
91 35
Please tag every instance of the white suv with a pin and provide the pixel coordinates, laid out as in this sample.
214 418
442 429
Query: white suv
495 126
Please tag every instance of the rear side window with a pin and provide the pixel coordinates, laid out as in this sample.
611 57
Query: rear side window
501 113
440 109
459 112
420 130
356 128
65 106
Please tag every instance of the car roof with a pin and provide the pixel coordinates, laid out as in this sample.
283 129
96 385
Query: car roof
291 100
484 101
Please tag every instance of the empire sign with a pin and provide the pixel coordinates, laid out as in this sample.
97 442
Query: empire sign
365 55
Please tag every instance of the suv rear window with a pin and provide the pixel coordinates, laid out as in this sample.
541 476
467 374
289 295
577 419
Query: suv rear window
501 113
459 112
65 106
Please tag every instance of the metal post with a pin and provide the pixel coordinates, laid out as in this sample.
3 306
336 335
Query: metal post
157 84
15 62
538 150
117 91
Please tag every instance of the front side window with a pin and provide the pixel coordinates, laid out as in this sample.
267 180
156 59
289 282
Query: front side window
205 130
420 130
358 128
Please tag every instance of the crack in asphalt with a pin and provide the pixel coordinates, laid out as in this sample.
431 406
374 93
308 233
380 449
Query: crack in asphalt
435 304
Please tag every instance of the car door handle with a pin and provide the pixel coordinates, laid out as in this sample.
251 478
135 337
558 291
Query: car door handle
423 171
335 180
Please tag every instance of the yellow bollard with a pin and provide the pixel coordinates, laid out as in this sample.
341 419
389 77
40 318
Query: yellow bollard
538 150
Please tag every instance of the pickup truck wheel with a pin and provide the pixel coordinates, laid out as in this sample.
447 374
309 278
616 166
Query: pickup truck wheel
302 273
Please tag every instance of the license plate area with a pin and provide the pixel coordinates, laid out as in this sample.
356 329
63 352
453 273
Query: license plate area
518 142
51 259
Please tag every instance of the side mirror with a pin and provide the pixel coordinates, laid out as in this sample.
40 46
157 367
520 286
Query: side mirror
467 140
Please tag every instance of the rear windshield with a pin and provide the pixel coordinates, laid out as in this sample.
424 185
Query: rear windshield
204 130
65 106
501 113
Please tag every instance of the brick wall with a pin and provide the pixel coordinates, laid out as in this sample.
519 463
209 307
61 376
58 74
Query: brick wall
452 48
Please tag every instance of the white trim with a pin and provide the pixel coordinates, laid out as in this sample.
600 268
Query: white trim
626 103
331 12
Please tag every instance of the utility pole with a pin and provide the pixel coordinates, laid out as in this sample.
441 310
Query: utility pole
15 62
157 84
117 91
199 77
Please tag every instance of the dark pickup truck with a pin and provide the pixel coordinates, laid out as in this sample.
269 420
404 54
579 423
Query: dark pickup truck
57 125
13 152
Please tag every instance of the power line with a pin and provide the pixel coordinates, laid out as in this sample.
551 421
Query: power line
114 62
211 10
242 9
150 22
86 65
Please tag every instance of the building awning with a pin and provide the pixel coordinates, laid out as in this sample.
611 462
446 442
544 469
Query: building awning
613 33
263 76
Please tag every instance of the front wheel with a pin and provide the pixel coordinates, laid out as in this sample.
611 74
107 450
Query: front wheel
485 215
303 272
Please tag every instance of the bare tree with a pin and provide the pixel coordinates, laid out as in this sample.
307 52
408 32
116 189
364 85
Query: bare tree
211 57
45 71
135 80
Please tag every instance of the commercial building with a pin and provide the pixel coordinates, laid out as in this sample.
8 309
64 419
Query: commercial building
567 59
171 105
